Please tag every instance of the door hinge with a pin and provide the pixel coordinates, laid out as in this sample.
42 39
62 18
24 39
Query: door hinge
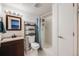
73 34
73 4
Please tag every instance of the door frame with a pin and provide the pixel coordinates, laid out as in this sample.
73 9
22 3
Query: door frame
75 45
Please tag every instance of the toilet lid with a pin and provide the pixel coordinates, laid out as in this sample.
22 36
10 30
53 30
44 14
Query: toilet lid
35 45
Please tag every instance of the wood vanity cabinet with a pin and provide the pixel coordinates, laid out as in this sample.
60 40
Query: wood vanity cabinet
12 48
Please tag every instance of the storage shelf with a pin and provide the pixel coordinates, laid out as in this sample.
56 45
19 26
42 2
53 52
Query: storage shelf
30 34
31 29
30 25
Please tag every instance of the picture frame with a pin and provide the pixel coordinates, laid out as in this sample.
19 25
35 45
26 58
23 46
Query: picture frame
13 22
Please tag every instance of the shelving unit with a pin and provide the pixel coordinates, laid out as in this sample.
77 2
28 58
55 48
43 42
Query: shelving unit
29 31
30 28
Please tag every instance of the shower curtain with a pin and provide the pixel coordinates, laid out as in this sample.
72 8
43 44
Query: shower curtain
38 31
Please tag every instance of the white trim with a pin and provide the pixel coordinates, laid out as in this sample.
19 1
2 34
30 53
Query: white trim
55 28
75 30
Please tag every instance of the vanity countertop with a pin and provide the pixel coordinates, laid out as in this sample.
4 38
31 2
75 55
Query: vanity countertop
11 39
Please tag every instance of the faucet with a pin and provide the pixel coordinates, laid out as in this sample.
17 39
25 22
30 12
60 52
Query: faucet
13 36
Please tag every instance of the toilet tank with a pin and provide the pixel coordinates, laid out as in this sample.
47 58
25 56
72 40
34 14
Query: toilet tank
31 39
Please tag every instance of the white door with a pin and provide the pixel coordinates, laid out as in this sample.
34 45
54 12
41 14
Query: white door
65 29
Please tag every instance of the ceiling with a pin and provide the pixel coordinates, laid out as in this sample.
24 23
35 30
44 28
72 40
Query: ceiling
32 9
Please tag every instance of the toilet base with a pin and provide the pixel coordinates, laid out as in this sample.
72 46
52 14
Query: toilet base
32 52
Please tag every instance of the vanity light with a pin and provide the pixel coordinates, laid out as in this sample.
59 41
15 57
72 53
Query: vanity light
14 13
8 12
18 14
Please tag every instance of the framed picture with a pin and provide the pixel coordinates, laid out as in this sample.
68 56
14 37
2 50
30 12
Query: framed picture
13 22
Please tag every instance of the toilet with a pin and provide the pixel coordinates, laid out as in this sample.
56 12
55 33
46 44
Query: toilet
34 46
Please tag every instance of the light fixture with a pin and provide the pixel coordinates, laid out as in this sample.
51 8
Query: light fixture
37 5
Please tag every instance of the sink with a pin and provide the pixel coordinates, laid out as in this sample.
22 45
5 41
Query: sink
11 39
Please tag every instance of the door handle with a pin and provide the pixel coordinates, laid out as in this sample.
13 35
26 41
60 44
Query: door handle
61 37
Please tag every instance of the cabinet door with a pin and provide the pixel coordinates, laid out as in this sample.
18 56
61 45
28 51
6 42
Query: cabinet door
65 29
20 48
13 48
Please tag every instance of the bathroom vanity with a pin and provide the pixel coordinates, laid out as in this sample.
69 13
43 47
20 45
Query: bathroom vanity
12 47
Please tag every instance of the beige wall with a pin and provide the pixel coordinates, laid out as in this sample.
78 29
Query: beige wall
47 30
10 33
21 32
